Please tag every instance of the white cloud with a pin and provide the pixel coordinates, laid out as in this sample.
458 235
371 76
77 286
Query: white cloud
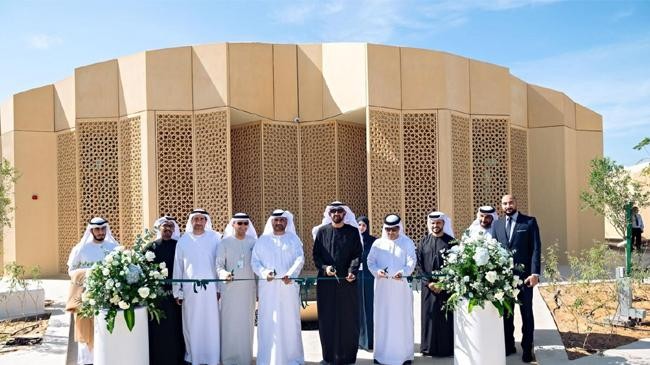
379 20
297 13
44 41
613 80
618 16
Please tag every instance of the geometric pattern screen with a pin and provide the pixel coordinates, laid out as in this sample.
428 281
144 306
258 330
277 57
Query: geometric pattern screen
211 163
67 211
130 178
352 180
246 167
318 169
420 170
385 167
489 161
519 167
98 173
300 167
174 166
461 156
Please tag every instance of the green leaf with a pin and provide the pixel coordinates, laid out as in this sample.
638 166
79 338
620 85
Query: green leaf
110 323
508 305
471 305
499 308
644 142
129 318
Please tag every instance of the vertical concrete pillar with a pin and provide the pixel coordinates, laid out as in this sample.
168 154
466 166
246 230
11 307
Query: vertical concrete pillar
29 143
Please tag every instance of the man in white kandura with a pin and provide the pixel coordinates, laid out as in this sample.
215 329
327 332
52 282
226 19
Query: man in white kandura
196 254
483 224
237 297
391 259
95 244
277 257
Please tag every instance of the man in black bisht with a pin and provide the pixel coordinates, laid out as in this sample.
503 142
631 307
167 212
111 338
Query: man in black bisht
337 254
437 324
166 343
365 288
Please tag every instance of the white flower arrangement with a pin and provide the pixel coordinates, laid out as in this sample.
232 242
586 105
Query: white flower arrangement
125 279
479 270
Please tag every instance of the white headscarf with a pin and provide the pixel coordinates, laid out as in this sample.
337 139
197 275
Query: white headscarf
240 217
392 220
97 222
349 217
268 228
476 225
195 212
159 222
446 228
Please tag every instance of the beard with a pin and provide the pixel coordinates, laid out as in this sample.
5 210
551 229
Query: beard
436 230
337 219
100 238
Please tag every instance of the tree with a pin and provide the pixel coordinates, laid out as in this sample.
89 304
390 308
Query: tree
643 145
8 176
610 188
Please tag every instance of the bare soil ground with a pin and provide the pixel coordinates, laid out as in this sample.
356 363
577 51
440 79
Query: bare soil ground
581 313
19 333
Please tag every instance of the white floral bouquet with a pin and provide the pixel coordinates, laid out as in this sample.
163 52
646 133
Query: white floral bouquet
479 270
127 278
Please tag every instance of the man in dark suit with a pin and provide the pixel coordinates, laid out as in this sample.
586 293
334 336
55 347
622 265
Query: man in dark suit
520 234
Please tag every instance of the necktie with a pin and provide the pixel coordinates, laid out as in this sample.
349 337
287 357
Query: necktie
508 227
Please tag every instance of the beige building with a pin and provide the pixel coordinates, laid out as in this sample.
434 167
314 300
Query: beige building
252 127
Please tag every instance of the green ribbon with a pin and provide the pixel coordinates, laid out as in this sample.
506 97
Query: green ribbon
305 283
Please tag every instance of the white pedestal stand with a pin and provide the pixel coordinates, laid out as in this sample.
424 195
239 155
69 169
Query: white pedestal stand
122 347
478 336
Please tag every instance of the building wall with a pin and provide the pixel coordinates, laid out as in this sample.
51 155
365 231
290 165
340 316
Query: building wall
253 127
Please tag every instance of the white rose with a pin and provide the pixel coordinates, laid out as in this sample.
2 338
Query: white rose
115 299
118 284
123 305
115 263
149 256
85 296
162 265
109 258
499 295
465 279
152 296
144 292
515 292
164 272
491 276
109 283
92 302
451 258
481 256
106 271
119 248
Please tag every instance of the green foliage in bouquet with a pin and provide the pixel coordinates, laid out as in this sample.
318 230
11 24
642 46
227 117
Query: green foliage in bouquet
479 270
127 278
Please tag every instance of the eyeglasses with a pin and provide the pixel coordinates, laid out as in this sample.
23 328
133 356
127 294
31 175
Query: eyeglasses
391 229
242 223
337 210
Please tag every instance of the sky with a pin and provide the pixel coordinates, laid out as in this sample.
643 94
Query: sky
597 52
